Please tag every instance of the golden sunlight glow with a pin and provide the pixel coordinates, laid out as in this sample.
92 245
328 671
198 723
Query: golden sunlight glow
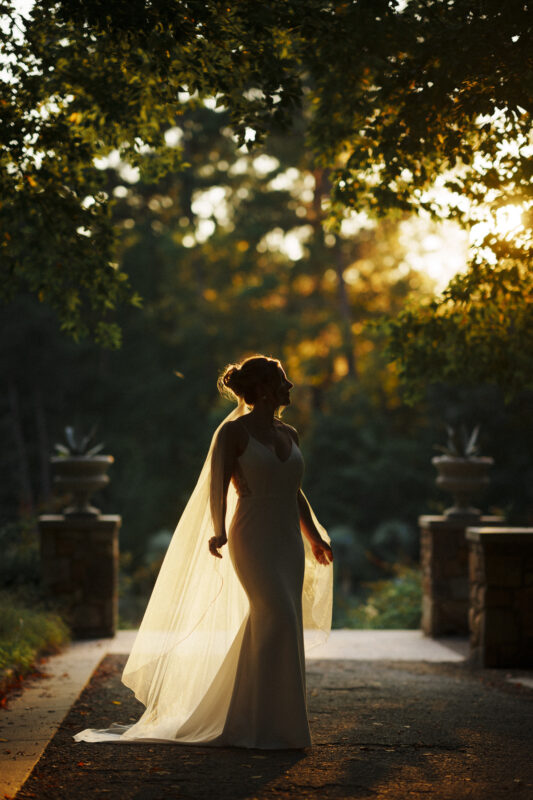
439 250
506 222
509 220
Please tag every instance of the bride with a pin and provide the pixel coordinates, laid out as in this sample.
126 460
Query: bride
219 658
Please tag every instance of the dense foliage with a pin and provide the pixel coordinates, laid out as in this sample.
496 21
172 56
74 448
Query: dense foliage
479 331
401 101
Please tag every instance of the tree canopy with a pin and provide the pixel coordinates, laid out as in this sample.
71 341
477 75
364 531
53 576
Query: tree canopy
420 106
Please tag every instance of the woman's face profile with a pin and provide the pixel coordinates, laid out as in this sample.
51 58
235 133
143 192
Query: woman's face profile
282 388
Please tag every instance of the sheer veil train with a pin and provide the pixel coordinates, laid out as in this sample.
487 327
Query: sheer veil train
186 644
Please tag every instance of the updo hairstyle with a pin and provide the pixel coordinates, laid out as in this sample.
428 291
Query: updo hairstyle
244 380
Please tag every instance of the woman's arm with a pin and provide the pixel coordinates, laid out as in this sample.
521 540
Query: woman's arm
321 549
223 458
309 528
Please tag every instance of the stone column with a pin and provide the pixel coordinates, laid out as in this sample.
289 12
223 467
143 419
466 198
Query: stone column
79 565
444 564
501 596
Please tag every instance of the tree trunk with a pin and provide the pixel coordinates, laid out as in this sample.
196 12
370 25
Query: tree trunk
322 188
346 316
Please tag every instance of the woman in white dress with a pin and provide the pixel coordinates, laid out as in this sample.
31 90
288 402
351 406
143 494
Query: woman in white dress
219 658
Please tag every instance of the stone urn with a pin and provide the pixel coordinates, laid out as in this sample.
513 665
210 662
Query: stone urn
465 478
80 476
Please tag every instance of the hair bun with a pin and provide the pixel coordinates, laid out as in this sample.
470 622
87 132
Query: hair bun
231 378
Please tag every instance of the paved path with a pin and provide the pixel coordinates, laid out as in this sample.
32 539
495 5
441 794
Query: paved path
33 713
415 689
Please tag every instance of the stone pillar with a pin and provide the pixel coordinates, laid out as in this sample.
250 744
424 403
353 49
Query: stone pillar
79 565
501 596
444 564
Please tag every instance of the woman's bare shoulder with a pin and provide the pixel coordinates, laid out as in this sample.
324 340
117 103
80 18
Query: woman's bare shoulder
234 434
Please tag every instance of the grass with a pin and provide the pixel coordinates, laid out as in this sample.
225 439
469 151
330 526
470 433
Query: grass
25 635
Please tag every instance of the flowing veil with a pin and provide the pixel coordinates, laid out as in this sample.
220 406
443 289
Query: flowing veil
195 614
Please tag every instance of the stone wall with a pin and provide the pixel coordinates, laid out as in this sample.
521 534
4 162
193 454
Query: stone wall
501 596
79 565
444 564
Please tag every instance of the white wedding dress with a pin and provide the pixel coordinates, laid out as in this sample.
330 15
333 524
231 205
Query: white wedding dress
222 661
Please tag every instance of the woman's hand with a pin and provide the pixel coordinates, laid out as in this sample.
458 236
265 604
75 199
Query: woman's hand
322 552
215 542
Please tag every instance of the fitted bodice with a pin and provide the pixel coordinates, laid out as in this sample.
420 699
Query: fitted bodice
260 473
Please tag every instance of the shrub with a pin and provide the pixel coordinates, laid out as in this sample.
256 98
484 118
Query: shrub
25 634
393 603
